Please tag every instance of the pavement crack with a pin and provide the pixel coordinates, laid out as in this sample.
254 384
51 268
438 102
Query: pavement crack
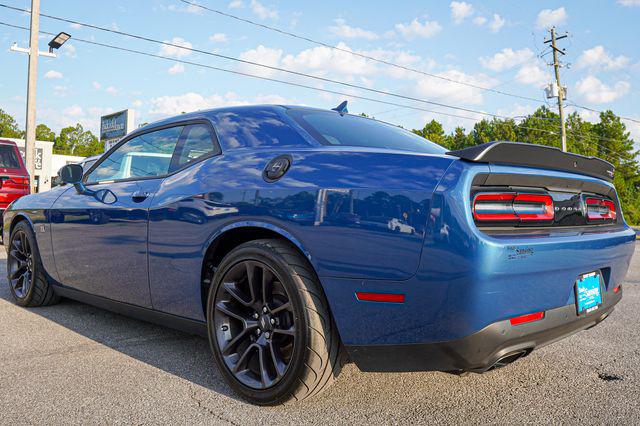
202 406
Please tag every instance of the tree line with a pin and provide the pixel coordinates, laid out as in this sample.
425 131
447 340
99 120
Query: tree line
608 139
72 140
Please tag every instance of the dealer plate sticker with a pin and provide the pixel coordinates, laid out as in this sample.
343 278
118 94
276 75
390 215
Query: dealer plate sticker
588 294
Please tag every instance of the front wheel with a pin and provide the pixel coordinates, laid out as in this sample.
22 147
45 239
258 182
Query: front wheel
27 281
270 328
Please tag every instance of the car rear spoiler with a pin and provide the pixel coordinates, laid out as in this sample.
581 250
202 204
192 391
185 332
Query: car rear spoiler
531 155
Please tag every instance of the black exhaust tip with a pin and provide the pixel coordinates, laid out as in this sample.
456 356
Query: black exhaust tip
509 358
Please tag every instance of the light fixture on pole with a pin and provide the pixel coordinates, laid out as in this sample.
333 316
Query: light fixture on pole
58 41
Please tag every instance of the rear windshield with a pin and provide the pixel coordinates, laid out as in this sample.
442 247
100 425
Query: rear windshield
331 128
8 157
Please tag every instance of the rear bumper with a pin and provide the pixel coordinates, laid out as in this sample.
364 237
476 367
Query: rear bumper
485 349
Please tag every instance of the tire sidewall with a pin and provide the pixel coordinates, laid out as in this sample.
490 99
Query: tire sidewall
261 252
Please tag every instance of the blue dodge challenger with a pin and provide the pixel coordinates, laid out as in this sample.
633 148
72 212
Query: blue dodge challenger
298 239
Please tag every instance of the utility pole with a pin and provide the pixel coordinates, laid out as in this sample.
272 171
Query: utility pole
561 91
32 80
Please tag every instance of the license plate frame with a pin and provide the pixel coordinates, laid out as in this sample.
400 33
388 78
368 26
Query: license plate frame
588 292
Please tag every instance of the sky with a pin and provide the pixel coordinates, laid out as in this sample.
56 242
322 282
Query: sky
491 44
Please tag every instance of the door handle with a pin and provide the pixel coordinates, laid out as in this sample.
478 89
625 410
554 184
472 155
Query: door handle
139 196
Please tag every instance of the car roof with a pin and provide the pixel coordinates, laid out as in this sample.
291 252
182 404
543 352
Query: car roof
215 111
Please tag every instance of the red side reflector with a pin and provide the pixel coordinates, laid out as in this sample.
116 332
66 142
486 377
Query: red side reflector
617 289
364 296
537 316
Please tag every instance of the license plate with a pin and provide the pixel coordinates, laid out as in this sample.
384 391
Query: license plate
588 293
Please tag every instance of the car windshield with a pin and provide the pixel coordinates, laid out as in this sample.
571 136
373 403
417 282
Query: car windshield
332 128
8 157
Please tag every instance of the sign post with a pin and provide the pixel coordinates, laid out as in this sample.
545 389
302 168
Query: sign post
114 127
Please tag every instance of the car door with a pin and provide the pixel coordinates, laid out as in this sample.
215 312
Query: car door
100 242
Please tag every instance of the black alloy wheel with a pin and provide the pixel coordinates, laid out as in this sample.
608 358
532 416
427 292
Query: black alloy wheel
254 323
270 329
20 264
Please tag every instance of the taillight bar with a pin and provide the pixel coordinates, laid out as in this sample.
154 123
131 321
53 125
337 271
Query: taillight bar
600 209
512 207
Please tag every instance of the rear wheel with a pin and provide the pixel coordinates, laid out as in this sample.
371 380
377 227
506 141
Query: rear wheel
25 274
270 328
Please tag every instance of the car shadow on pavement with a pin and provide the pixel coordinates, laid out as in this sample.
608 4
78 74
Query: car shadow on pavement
180 354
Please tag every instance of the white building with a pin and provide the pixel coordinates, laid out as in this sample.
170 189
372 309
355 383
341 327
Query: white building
46 163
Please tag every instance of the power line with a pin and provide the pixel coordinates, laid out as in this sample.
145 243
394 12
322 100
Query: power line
328 80
372 58
197 64
361 55
247 62
245 74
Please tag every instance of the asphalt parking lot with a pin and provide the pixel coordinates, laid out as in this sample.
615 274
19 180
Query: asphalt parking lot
75 364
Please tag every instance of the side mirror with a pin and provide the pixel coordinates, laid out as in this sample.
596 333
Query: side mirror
71 173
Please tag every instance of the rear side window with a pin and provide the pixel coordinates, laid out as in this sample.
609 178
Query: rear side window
331 128
143 156
198 143
255 128
8 157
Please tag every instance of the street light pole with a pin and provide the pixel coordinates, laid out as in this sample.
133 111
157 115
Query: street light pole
32 80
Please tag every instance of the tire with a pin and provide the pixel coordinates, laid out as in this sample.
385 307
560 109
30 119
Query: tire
315 353
33 289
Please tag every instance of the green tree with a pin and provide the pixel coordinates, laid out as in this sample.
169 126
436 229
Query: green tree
8 126
74 140
434 132
44 133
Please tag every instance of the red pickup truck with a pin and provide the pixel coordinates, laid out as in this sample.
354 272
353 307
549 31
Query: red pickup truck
14 179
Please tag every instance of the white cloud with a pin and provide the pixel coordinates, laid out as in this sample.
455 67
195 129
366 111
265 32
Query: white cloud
629 3
262 55
548 18
597 57
137 103
111 90
479 21
236 4
326 62
534 75
219 38
53 74
74 111
517 111
191 101
60 90
69 50
596 92
496 23
96 85
262 11
343 30
175 51
460 10
75 26
176 68
187 9
437 89
417 29
507 58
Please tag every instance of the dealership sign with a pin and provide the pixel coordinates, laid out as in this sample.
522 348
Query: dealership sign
114 127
